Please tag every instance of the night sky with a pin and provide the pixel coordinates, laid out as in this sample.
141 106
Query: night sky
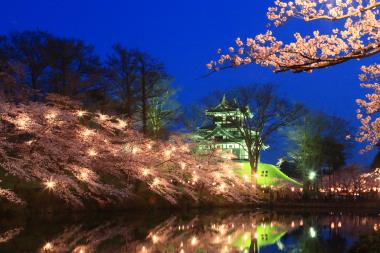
185 35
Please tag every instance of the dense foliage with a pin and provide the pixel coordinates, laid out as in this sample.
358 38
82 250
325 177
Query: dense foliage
79 156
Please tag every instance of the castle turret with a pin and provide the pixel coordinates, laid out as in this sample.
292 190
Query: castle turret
224 129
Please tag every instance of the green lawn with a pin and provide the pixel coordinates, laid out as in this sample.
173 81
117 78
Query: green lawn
268 174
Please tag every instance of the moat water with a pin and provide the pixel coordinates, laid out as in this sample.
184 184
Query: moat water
208 231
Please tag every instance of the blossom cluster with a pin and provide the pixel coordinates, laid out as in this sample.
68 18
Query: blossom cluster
356 36
10 196
10 234
310 10
79 156
369 111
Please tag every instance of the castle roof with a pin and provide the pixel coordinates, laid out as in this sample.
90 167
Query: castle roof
219 131
224 106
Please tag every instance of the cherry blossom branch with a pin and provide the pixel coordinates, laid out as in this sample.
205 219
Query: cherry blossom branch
351 14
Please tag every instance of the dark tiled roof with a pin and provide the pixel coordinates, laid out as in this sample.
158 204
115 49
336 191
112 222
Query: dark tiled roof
213 126
224 106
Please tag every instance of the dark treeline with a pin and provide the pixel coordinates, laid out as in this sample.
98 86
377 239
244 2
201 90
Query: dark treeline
134 85
129 83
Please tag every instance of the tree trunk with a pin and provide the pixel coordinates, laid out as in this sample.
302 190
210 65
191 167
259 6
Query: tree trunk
254 163
128 99
34 86
34 81
143 101
64 81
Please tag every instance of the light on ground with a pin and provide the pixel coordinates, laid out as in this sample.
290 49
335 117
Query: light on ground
312 232
312 175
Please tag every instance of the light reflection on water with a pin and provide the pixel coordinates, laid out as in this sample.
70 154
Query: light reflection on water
218 231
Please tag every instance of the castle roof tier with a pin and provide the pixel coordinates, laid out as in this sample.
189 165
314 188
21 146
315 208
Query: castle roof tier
224 106
224 128
225 109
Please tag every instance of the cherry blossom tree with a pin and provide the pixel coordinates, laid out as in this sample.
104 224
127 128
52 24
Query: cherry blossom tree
355 36
79 156
369 112
10 234
10 196
351 181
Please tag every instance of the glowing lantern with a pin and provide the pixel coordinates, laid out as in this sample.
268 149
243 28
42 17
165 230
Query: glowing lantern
80 249
135 150
87 132
155 239
83 175
51 116
92 152
48 246
22 122
312 232
194 241
29 142
50 184
103 117
156 181
122 123
312 175
167 153
81 113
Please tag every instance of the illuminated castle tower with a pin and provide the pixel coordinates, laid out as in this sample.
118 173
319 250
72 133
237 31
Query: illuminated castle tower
223 130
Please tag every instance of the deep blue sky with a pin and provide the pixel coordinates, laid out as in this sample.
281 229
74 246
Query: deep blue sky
185 36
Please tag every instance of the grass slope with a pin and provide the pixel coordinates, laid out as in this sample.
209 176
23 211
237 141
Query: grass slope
268 174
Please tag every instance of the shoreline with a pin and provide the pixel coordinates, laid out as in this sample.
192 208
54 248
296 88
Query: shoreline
325 206
281 206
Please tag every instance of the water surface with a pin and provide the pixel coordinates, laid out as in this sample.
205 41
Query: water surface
211 231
